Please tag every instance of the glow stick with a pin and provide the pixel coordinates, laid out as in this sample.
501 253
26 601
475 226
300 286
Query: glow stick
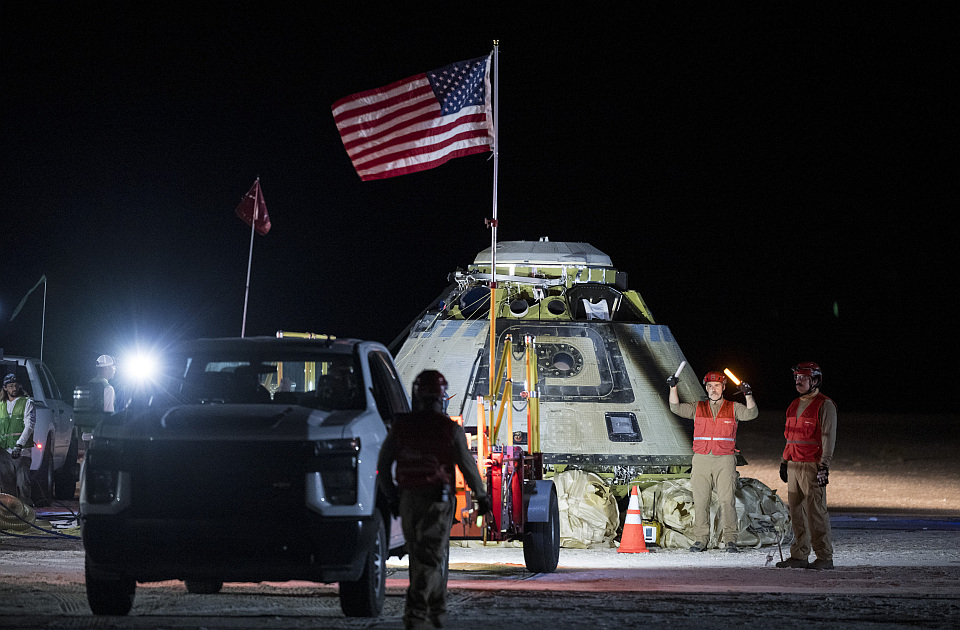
736 381
680 369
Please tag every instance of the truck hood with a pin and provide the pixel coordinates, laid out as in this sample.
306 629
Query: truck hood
228 422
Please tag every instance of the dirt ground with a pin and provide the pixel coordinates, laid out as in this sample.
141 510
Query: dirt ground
895 510
882 462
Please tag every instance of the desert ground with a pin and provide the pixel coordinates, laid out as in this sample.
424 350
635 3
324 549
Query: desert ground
894 495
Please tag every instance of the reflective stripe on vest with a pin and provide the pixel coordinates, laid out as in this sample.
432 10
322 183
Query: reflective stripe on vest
716 437
803 432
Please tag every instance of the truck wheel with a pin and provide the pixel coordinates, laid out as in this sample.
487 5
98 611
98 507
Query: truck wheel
541 541
365 597
203 587
109 596
42 478
65 480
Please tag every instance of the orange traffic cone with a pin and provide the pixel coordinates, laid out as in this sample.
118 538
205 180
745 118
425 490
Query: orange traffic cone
631 541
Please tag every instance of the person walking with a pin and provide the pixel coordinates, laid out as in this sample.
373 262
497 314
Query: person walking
426 444
17 419
714 456
811 433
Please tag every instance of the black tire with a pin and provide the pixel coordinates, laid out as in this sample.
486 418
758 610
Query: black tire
365 597
203 587
41 479
541 541
109 595
65 480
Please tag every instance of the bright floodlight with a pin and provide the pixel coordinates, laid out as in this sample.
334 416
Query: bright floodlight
141 367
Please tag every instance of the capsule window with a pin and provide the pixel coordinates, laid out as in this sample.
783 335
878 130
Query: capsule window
623 427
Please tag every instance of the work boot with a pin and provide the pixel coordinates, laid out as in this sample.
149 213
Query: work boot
439 620
698 546
793 563
821 563
731 547
417 624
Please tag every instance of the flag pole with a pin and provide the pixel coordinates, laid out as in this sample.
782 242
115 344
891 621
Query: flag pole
43 317
253 223
493 222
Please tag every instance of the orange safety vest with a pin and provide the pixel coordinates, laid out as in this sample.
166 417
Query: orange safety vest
716 437
804 438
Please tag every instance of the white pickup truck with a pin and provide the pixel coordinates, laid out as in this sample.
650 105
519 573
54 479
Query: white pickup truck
250 459
54 466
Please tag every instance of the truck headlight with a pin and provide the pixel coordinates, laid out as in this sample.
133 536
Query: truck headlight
336 461
102 475
102 486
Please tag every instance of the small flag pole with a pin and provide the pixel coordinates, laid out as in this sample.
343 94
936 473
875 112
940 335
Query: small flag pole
43 317
253 223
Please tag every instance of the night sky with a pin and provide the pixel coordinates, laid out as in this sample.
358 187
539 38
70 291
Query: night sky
778 182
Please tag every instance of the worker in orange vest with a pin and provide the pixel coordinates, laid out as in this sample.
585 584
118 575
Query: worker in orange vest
811 433
714 456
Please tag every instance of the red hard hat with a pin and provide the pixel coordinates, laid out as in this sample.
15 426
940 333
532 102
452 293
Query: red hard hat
808 368
430 384
715 377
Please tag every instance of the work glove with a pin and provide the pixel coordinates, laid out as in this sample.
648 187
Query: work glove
15 452
823 475
745 388
672 381
783 472
484 505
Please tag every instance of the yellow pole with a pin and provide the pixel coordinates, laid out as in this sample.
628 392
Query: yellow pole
493 333
482 450
533 401
492 394
526 388
504 361
508 394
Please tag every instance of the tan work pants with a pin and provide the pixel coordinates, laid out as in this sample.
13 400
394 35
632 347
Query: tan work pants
426 529
714 472
808 512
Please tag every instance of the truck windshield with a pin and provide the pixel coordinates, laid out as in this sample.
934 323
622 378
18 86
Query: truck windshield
330 383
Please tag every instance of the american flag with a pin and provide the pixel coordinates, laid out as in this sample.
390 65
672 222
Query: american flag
420 122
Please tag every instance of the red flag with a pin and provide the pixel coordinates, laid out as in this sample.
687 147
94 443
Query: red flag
253 208
420 122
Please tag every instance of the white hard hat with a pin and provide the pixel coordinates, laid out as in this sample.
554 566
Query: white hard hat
105 360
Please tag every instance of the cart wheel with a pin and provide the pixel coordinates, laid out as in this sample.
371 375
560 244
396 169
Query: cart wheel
541 541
